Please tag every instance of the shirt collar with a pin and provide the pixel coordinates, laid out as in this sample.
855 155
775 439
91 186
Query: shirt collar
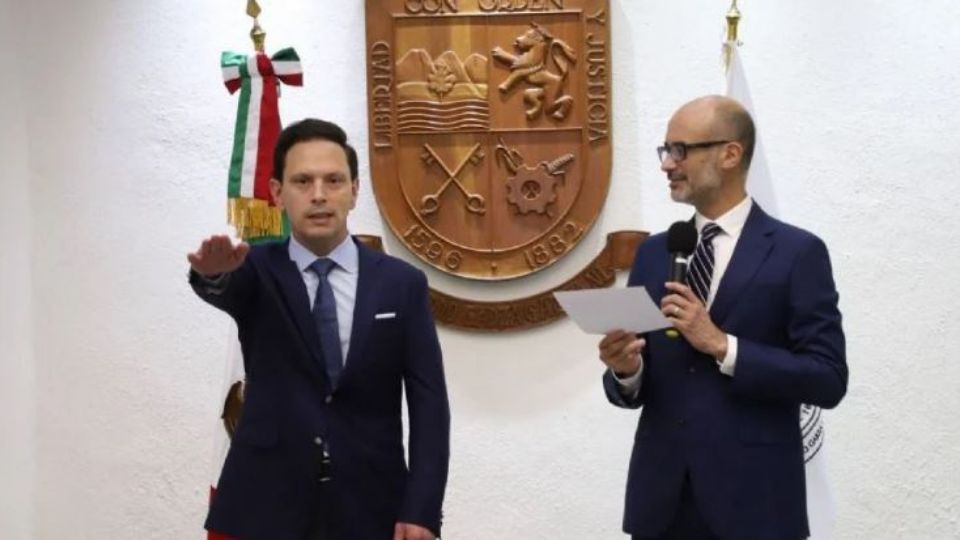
732 221
345 255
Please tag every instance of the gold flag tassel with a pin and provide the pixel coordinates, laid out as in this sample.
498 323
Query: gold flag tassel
254 218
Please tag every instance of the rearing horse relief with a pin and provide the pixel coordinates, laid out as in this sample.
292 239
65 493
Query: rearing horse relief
536 49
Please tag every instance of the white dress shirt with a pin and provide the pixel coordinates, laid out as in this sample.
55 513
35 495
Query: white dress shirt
343 278
731 224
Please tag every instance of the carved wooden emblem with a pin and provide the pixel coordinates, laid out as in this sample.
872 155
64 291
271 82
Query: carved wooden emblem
489 128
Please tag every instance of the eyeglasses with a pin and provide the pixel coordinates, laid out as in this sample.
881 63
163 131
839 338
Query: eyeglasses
678 150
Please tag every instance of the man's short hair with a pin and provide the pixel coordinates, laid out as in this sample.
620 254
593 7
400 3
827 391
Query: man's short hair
738 122
311 129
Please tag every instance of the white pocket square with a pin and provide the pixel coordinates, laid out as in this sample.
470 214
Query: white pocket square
387 315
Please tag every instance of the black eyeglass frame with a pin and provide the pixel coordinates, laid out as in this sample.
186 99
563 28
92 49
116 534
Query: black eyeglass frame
678 150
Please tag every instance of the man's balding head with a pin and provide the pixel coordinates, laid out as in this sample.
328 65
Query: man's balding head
706 154
724 118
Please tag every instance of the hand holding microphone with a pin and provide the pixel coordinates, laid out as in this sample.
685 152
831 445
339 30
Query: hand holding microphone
681 241
702 334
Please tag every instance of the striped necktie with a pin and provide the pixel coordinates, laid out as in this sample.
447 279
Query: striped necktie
701 266
325 316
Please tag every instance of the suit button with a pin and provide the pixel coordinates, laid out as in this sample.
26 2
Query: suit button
318 441
328 400
692 369
681 422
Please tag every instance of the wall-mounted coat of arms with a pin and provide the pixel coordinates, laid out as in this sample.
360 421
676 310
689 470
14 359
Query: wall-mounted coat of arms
490 140
489 128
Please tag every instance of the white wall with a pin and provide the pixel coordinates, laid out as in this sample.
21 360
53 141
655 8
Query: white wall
128 128
17 380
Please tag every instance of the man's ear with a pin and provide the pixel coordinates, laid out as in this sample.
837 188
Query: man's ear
732 155
275 187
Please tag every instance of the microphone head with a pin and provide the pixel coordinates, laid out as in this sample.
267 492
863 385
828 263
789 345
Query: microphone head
682 238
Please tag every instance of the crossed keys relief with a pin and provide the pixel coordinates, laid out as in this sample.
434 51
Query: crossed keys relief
429 204
529 189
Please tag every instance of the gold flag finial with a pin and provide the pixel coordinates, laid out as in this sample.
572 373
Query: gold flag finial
733 26
256 33
733 22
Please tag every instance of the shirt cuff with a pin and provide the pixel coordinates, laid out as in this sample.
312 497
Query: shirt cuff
214 284
729 362
629 386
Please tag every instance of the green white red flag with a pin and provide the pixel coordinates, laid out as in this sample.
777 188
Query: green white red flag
258 79
250 208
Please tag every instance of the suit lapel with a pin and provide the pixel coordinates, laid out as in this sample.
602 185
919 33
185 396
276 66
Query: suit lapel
364 307
751 251
289 282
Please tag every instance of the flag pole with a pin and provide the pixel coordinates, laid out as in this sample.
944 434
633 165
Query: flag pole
257 34
733 26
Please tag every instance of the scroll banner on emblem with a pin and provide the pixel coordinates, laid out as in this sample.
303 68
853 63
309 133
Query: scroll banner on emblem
541 308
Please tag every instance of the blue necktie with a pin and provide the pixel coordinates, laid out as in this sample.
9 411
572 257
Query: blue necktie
701 266
325 316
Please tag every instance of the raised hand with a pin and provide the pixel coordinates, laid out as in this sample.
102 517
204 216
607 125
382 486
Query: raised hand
218 255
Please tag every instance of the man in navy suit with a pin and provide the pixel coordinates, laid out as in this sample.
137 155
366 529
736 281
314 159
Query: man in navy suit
332 334
718 450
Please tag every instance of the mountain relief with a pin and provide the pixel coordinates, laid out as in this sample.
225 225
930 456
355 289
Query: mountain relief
442 94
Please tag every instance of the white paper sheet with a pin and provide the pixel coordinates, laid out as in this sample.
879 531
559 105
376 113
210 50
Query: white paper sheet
598 311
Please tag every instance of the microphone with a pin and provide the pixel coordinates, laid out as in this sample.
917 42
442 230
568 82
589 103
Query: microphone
681 241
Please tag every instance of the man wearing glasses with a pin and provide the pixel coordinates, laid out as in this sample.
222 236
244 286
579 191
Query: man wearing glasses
718 450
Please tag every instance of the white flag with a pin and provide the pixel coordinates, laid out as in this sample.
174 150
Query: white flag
758 179
821 510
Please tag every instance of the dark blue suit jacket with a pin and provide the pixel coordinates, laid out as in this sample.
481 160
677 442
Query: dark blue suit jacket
737 437
268 486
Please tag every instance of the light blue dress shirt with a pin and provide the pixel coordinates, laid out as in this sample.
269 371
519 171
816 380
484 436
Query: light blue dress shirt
343 280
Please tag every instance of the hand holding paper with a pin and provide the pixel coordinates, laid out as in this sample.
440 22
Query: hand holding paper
622 353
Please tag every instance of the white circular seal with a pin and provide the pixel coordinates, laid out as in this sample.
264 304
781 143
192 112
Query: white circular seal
811 427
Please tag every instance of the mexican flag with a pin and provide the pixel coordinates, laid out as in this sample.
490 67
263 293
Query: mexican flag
250 208
258 79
